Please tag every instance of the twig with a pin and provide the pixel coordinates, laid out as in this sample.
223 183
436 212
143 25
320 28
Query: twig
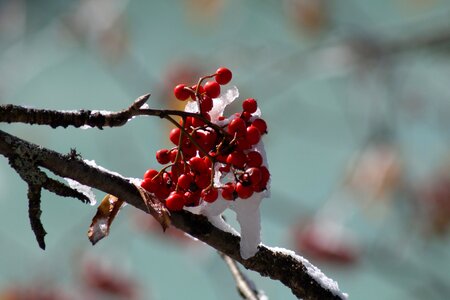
285 267
10 113
34 213
244 285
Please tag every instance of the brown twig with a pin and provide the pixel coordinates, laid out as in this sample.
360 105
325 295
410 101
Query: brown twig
10 113
244 285
277 265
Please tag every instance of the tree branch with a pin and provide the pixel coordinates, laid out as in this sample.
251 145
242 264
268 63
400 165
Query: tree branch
244 285
10 113
295 273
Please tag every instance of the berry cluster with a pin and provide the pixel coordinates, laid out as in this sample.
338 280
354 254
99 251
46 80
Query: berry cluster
210 156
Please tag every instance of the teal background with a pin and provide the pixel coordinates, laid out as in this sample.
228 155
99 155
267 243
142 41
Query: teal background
321 108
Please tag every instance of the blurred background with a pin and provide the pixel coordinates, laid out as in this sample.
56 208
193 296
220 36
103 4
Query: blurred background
356 95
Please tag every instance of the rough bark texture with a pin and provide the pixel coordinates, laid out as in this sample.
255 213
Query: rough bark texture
278 266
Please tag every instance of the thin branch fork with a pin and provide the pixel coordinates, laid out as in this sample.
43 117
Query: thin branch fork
10 113
278 266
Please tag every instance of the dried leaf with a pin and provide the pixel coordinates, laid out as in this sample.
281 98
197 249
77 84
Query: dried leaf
155 207
106 212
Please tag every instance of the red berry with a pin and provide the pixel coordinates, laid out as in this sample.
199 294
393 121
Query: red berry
174 135
167 179
228 191
212 89
198 164
181 93
177 170
185 180
197 122
210 195
237 126
203 180
175 201
254 175
191 198
162 192
223 75
253 135
150 173
208 162
265 175
189 150
206 104
243 144
210 140
150 185
236 159
163 156
244 191
246 116
254 159
173 155
249 105
261 125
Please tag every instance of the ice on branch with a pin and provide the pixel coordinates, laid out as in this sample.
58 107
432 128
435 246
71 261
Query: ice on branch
247 210
85 190
314 272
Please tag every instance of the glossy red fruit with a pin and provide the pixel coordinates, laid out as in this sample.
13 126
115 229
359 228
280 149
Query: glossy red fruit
150 173
246 116
174 135
173 155
243 144
150 185
244 191
198 164
253 136
206 104
175 201
203 180
228 192
210 195
236 159
254 176
223 75
181 93
191 198
185 180
212 89
261 125
188 149
210 140
162 192
249 105
254 159
163 156
237 126
265 177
